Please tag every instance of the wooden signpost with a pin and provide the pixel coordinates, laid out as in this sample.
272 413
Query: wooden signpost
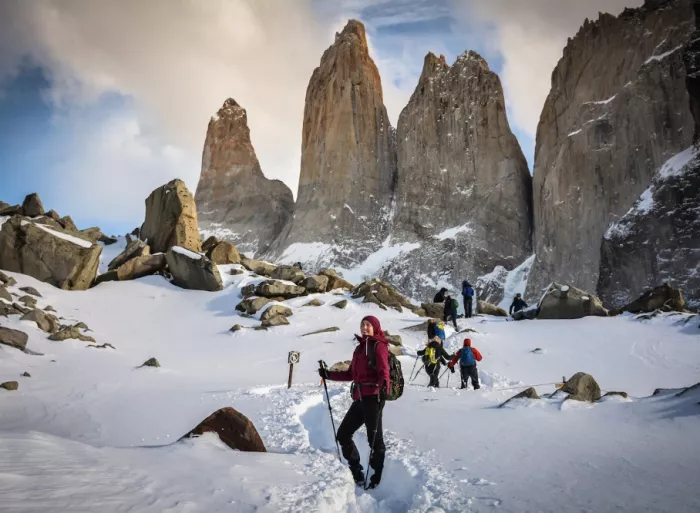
292 358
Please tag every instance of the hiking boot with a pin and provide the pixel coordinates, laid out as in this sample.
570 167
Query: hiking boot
374 481
357 475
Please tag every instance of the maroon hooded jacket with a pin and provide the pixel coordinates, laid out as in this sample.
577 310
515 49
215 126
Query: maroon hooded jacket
360 371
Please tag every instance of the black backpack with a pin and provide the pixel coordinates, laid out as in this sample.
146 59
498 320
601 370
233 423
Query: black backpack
395 374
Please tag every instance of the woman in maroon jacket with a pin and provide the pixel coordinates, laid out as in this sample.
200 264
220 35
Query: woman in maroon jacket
370 376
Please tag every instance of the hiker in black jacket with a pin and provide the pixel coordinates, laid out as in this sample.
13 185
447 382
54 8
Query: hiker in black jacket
434 355
517 304
440 296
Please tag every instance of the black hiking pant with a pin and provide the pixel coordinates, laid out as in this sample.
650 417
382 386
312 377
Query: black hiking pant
469 371
367 411
433 371
467 306
452 314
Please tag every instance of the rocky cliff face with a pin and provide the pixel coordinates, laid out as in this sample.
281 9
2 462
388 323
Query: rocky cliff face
234 199
348 162
618 109
463 185
658 239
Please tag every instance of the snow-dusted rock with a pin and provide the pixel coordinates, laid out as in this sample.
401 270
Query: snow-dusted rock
288 273
251 305
233 428
4 294
664 297
151 362
9 385
70 332
46 323
192 270
276 310
528 393
6 280
487 308
315 284
133 249
13 338
618 108
141 266
274 289
258 266
224 253
50 255
582 387
30 290
171 219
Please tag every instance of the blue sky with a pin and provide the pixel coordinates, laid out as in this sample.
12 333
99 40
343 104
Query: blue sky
101 102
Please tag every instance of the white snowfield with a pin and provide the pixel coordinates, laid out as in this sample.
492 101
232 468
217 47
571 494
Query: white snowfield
89 432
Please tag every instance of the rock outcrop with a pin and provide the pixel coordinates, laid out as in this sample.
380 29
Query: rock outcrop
32 206
48 254
656 241
171 219
348 160
618 109
567 302
234 199
192 270
663 297
463 185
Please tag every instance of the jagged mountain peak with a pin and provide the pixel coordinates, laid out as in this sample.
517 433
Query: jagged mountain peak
354 31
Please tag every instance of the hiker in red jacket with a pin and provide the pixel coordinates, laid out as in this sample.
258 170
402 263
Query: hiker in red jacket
370 376
467 357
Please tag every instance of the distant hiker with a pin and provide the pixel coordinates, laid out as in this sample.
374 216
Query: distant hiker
436 331
450 310
467 295
517 304
434 355
371 383
467 358
440 296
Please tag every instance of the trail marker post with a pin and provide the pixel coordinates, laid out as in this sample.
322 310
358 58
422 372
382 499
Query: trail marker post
292 358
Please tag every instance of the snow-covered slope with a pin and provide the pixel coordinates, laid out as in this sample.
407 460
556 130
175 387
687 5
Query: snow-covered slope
90 432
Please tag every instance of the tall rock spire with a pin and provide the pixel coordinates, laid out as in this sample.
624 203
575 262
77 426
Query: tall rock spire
463 189
234 199
348 160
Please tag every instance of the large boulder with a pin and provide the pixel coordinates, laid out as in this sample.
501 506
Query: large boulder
13 338
315 284
9 210
135 248
275 320
272 288
192 270
382 294
288 273
258 266
487 308
32 206
46 323
6 280
49 255
233 428
434 310
171 219
225 253
141 266
663 297
567 302
582 387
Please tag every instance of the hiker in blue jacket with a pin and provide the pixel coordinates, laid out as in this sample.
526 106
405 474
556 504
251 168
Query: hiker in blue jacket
468 295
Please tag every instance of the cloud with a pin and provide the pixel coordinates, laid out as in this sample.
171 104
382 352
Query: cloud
531 37
178 60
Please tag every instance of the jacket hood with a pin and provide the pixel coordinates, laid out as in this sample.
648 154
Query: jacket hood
467 342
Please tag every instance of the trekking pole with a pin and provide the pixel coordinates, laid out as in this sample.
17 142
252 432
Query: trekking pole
414 377
330 410
414 368
371 447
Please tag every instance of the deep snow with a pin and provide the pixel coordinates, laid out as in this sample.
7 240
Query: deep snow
90 432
